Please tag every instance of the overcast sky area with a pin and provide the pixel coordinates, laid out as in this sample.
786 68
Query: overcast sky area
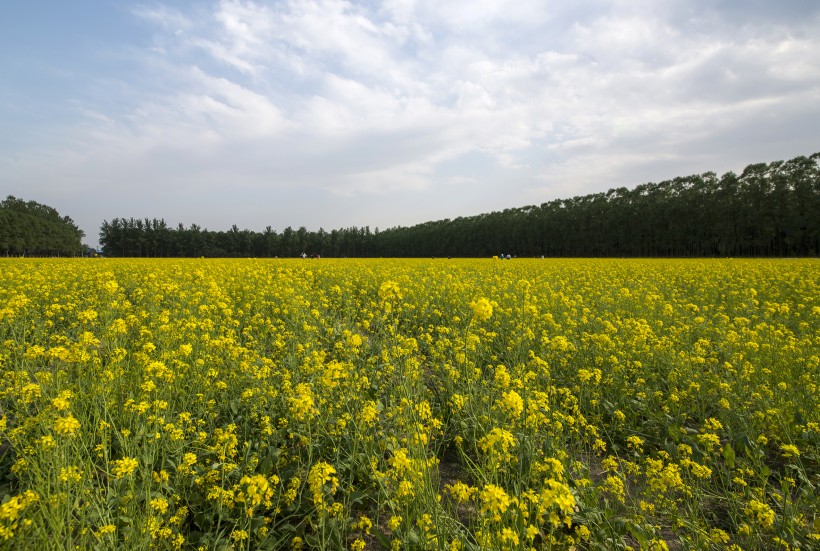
333 114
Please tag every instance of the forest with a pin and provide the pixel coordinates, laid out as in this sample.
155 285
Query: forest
28 228
769 209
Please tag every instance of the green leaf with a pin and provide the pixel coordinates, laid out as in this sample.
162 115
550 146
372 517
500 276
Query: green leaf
638 535
729 455
383 540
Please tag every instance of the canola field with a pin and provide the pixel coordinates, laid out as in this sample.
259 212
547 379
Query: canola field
409 404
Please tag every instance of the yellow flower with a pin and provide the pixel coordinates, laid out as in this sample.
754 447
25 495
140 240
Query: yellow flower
87 316
105 530
61 402
66 425
558 494
614 486
635 442
790 450
321 478
256 492
47 442
494 500
761 512
610 464
394 522
400 462
508 537
497 445
239 535
369 413
124 467
460 491
118 327
405 490
718 536
159 504
291 493
389 292
302 405
364 524
111 286
10 513
70 474
30 392
482 309
512 404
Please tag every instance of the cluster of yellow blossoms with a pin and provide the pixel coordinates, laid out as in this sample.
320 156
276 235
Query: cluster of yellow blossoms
410 404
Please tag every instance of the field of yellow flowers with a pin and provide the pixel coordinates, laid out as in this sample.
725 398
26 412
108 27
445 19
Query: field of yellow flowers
409 404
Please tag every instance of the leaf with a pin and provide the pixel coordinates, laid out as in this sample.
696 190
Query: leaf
729 455
638 535
383 540
675 432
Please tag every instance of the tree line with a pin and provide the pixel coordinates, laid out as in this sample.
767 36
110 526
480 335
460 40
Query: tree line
767 210
31 229
155 238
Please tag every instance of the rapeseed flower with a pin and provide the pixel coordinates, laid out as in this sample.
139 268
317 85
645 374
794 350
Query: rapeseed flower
512 404
124 467
66 425
789 450
482 309
761 512
70 474
321 481
223 372
11 513
494 501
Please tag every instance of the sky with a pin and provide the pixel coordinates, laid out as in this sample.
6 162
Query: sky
333 113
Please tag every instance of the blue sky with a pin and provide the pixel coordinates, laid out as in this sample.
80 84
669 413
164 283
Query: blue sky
331 114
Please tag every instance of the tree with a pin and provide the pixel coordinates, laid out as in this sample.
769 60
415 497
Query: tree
32 229
769 209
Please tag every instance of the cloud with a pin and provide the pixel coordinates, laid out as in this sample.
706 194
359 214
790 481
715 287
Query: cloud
405 97
335 70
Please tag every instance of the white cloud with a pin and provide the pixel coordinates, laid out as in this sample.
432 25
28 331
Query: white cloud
354 99
168 18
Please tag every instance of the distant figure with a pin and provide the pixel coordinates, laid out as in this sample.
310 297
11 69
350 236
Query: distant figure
508 257
501 256
304 255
